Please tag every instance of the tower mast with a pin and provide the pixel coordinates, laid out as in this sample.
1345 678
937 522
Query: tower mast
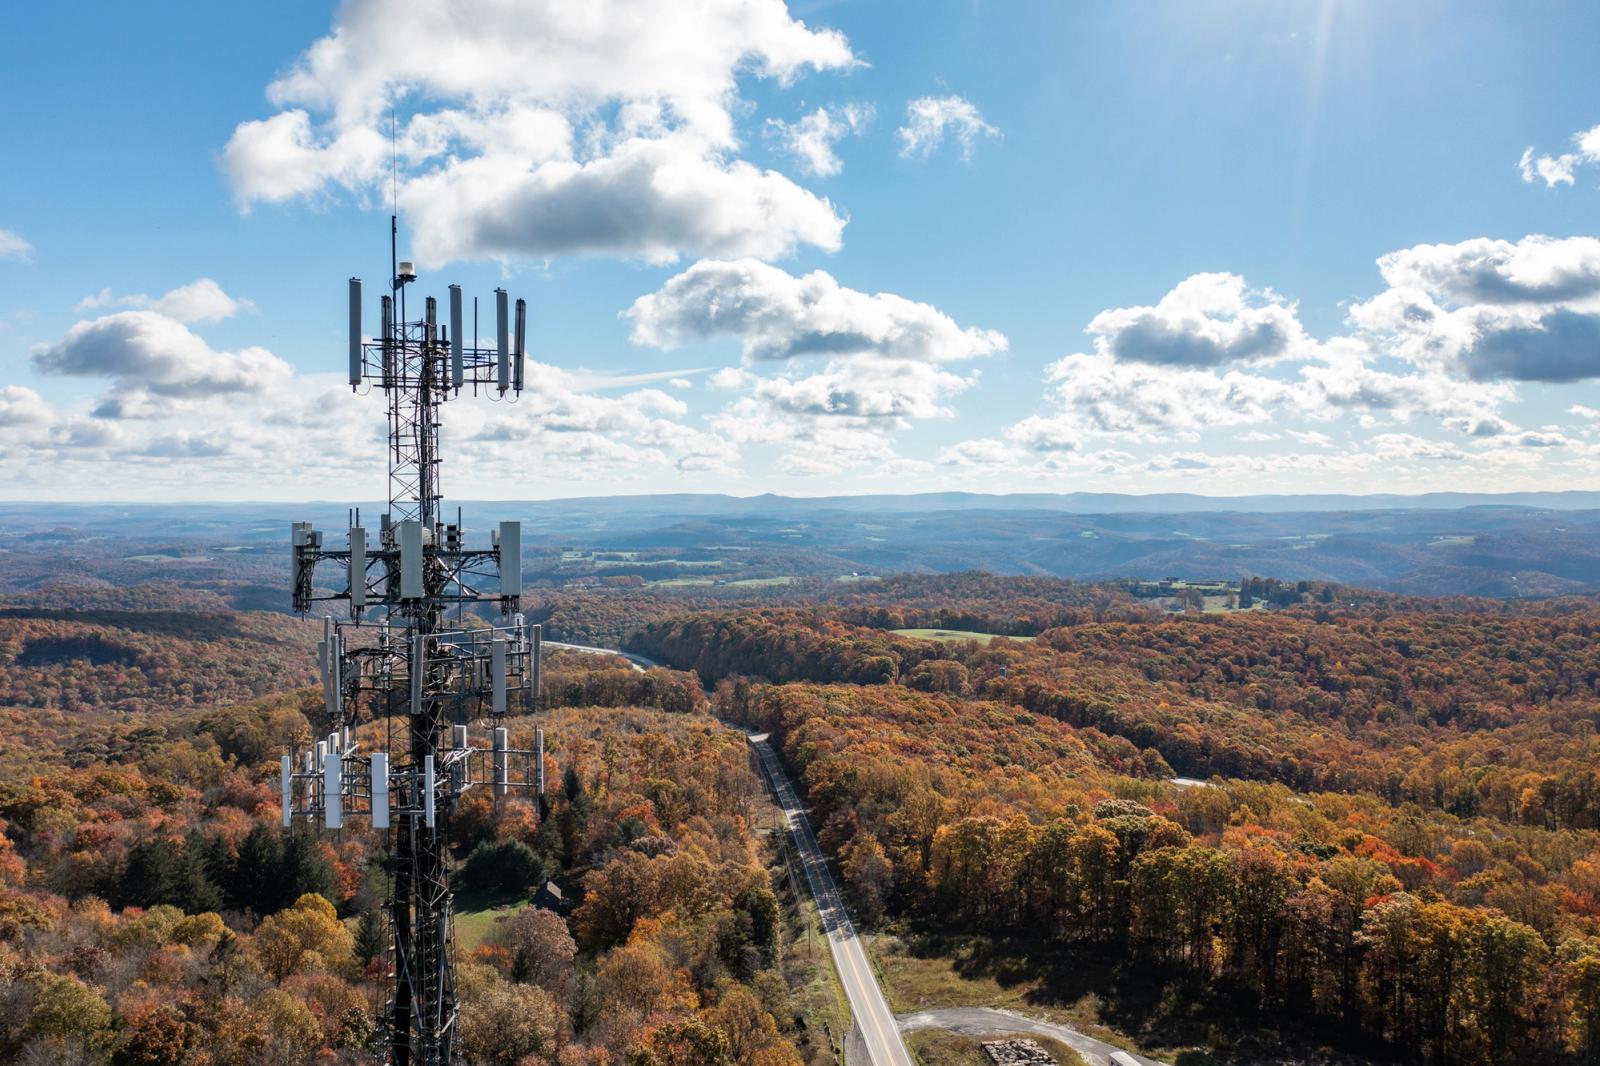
444 678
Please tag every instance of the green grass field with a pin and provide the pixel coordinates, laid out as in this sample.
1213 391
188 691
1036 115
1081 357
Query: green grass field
952 634
476 913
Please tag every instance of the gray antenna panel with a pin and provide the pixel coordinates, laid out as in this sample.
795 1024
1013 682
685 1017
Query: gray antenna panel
355 331
520 351
497 675
502 339
358 569
510 542
409 533
286 772
458 370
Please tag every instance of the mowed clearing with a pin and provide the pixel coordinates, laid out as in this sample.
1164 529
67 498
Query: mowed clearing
953 634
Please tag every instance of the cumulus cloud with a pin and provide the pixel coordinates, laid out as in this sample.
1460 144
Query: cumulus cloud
1214 353
810 139
1560 169
1534 270
649 197
180 413
148 352
21 406
882 358
12 246
931 119
201 300
1141 402
841 416
1206 320
777 316
983 453
1489 310
545 128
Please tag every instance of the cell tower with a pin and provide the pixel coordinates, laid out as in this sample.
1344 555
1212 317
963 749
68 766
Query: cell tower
417 666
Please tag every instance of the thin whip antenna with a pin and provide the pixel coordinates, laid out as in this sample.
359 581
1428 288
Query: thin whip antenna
394 163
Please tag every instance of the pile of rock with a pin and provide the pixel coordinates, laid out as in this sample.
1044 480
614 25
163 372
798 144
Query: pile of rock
1017 1053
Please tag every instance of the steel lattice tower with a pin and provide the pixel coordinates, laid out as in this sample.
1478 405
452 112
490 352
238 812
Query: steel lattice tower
445 677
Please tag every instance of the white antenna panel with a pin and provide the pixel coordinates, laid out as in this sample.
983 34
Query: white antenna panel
380 790
510 540
409 533
333 790
358 569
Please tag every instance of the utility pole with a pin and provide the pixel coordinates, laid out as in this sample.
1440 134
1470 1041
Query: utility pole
414 669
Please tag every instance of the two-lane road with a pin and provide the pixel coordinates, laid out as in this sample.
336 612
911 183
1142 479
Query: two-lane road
873 1018
877 1030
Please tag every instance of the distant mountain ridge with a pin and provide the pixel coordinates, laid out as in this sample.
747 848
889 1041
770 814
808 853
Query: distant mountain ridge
685 503
1485 544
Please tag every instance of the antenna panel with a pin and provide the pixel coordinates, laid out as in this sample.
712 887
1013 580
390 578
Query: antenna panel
510 541
380 790
427 790
520 350
419 670
333 790
286 784
538 765
355 332
358 569
409 534
502 772
502 332
458 373
497 675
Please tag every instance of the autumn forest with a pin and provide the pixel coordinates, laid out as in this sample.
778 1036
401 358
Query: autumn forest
1360 825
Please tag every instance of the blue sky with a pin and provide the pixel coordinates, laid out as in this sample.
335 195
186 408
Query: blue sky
821 248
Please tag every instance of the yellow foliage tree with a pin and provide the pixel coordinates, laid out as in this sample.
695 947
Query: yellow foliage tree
302 938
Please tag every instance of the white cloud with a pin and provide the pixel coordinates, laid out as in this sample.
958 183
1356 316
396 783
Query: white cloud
930 119
1206 320
883 358
201 300
1492 309
544 128
13 246
778 316
649 197
21 406
180 414
1137 401
841 416
149 354
811 138
983 453
1560 169
1553 170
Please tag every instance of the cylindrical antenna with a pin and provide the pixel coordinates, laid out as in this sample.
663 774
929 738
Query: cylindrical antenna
388 342
355 332
520 352
431 312
502 340
458 373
